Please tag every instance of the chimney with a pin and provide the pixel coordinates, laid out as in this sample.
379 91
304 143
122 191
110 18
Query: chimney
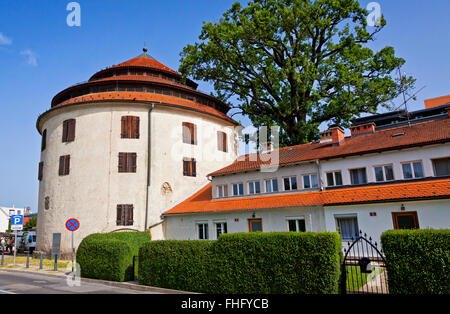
267 147
363 129
334 135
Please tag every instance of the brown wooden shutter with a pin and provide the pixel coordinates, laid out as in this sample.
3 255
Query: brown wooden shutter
129 215
131 164
61 165
119 215
136 127
122 158
193 167
193 134
186 133
124 128
44 140
71 131
67 165
41 169
185 167
68 130
224 143
65 131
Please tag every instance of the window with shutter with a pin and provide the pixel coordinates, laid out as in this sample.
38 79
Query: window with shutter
127 162
41 170
222 141
124 215
64 165
130 127
189 133
68 130
189 167
44 140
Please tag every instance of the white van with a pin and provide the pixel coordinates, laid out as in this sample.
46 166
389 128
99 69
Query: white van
30 241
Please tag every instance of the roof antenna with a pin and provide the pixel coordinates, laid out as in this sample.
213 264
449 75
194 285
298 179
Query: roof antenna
405 101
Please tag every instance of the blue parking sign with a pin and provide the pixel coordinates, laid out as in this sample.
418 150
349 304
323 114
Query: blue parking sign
16 222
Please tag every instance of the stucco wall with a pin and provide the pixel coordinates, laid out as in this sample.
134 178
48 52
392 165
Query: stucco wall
183 227
94 187
431 214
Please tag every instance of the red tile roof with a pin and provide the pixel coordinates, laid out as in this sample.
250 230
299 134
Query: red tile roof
156 98
202 202
436 131
147 63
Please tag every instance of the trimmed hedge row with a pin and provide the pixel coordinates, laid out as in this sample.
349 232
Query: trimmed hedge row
287 262
417 261
109 256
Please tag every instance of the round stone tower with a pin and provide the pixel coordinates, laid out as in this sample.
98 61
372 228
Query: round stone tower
125 146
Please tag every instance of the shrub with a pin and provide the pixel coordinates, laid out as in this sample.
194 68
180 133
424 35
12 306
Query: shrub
180 265
109 256
417 261
245 263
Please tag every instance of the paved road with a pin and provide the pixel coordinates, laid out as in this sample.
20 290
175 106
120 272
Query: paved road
29 283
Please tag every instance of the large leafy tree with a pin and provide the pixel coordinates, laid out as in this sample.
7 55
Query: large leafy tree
296 64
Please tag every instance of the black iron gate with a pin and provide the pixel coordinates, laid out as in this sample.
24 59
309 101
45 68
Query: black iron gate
364 267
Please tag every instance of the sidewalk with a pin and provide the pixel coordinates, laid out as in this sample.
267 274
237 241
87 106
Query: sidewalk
133 285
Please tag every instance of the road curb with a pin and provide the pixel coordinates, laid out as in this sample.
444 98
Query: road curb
125 285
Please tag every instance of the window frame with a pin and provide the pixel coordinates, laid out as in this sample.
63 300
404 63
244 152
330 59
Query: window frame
130 127
124 210
189 167
309 176
224 188
205 229
127 162
224 224
346 216
271 182
222 144
189 133
296 219
333 173
64 165
365 175
290 183
434 166
413 171
68 133
238 184
253 184
383 169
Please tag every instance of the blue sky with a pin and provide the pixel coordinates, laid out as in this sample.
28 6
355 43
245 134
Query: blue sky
40 55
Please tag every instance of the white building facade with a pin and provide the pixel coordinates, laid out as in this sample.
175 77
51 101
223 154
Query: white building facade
391 177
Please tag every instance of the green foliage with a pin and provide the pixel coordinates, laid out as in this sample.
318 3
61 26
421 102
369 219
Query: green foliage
417 261
181 265
296 64
245 263
109 256
31 223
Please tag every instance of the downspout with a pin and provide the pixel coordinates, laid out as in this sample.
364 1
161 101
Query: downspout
149 160
319 174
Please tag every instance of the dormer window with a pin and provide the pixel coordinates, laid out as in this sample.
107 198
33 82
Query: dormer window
222 191
412 170
254 187
384 173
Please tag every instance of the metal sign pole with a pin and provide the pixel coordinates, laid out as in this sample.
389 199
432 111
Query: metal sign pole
72 251
15 247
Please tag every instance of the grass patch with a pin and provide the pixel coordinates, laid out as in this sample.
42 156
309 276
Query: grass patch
22 261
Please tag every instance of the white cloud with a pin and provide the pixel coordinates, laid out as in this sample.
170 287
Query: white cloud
30 56
5 40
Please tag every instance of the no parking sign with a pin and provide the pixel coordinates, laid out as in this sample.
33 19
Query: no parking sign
72 224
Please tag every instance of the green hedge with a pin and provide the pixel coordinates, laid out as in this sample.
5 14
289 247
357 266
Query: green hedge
288 262
417 261
109 256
